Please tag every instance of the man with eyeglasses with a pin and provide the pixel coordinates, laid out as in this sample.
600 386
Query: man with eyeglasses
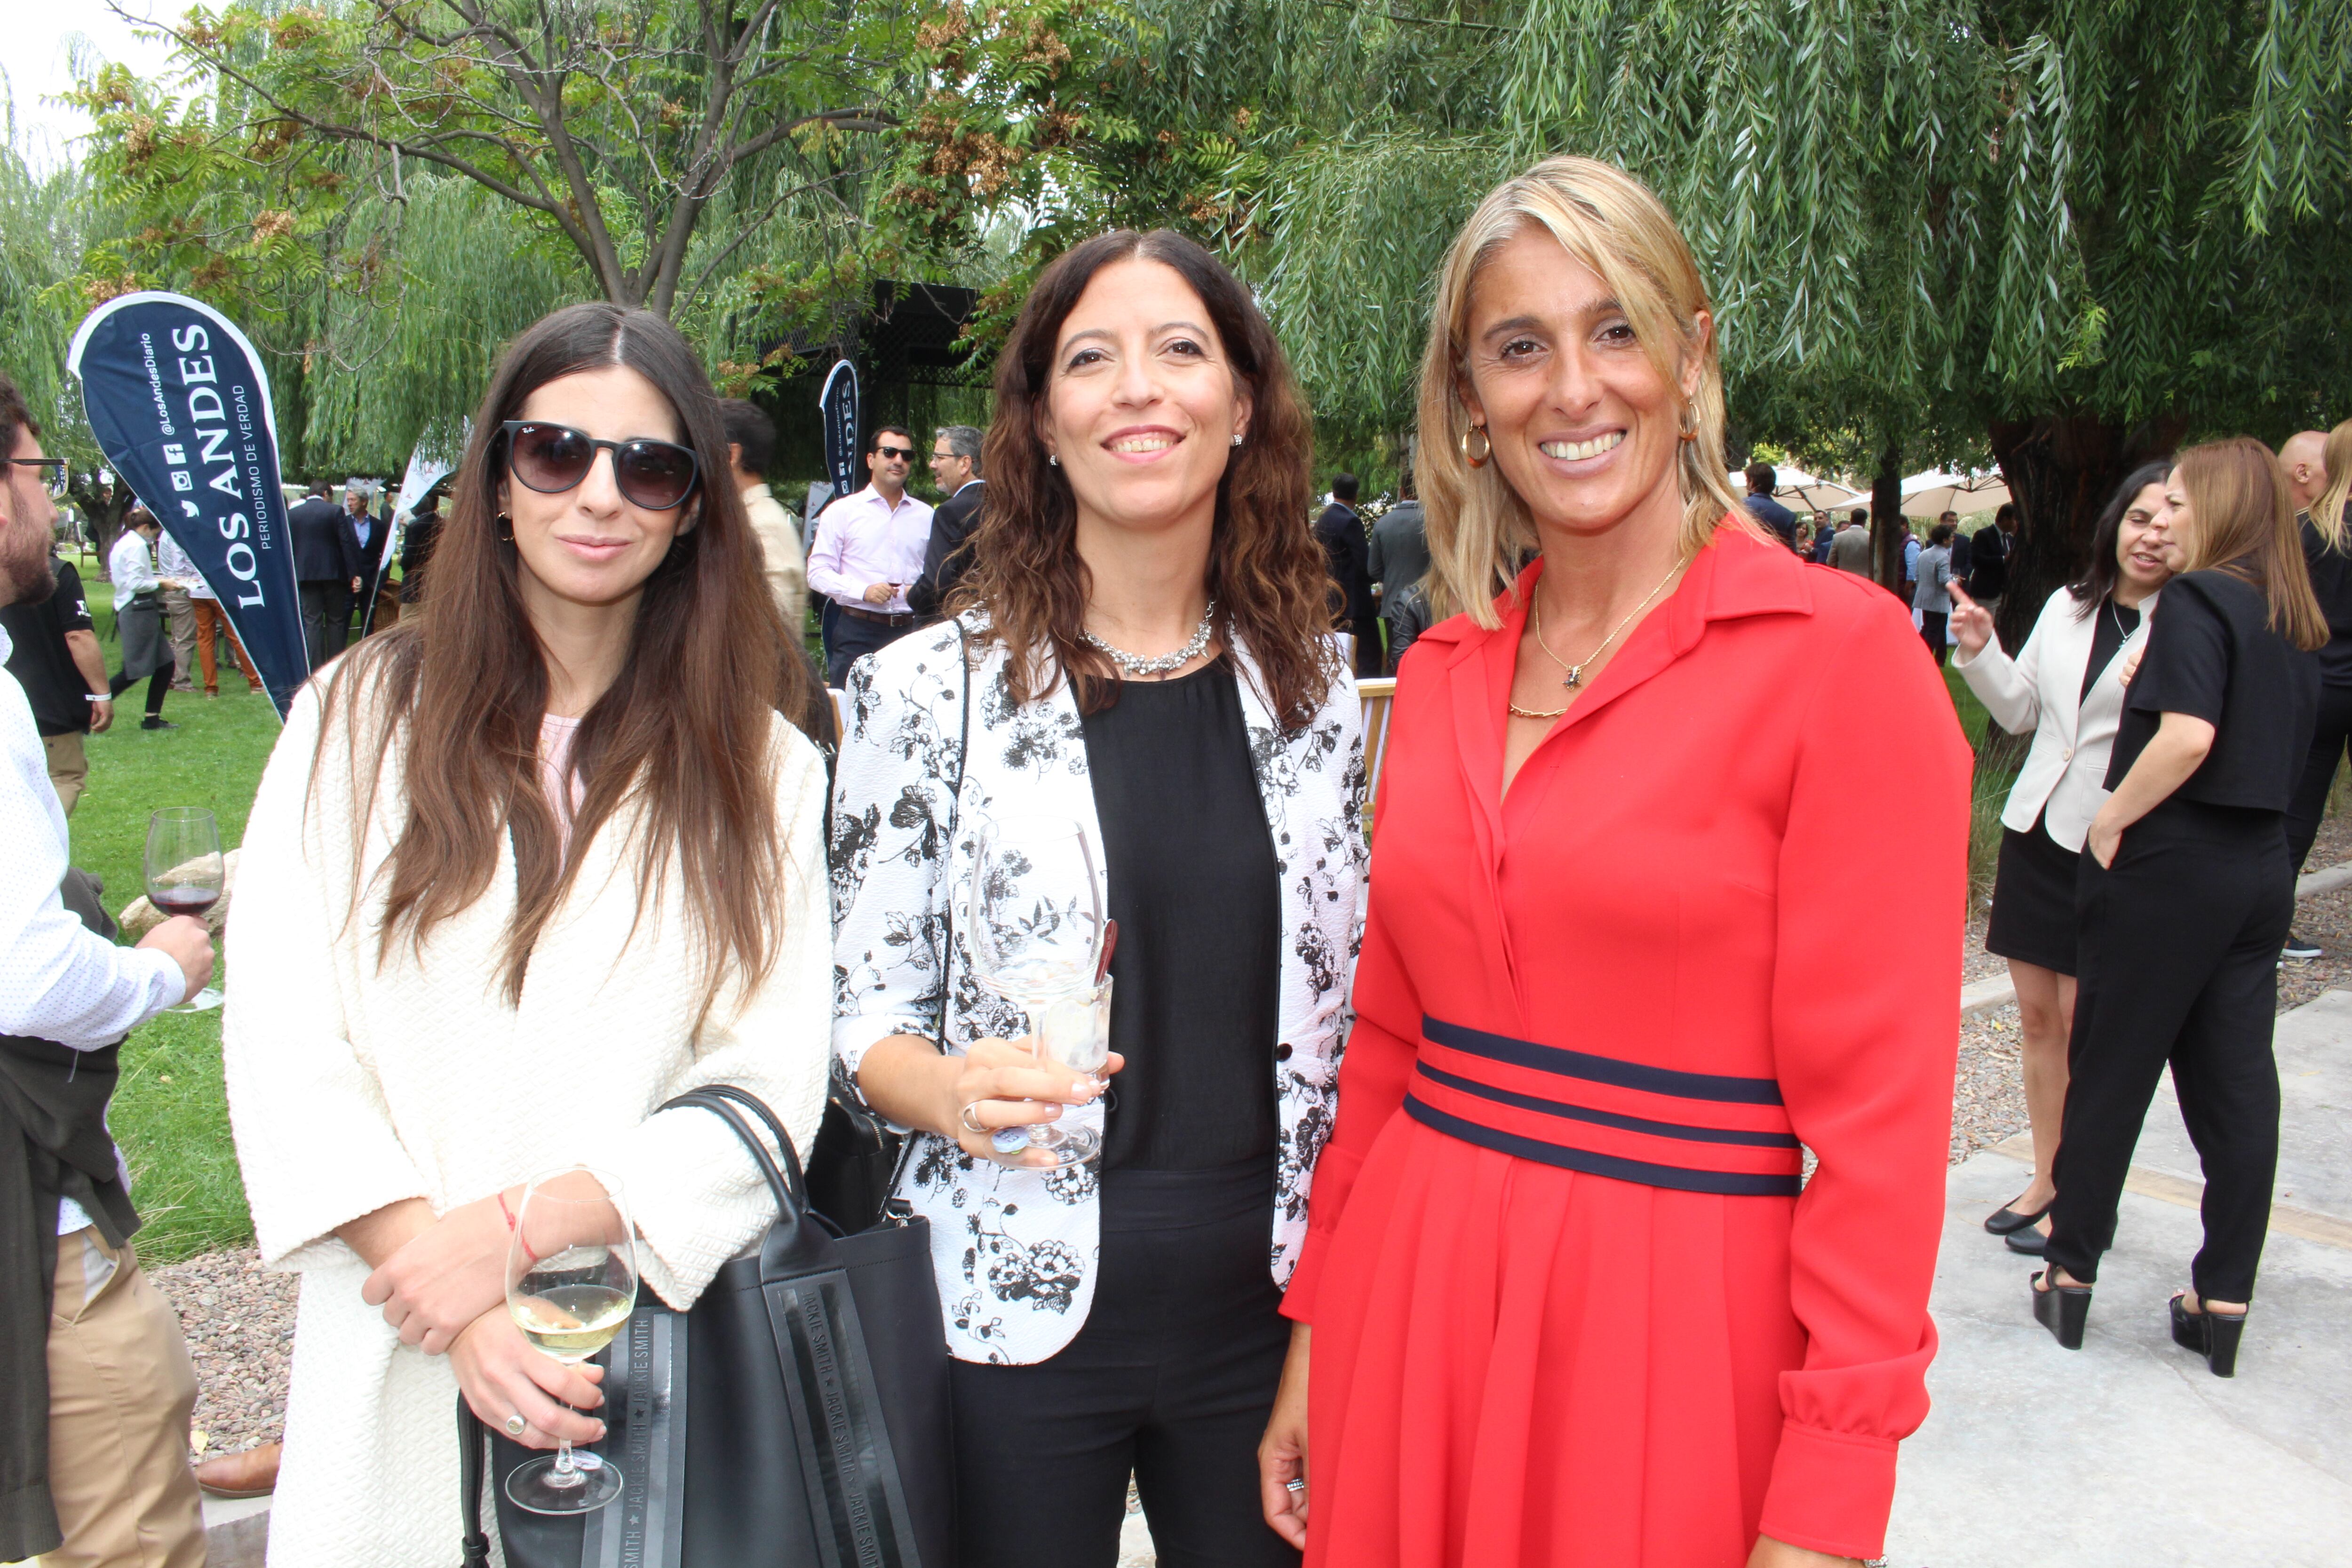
96 1386
867 550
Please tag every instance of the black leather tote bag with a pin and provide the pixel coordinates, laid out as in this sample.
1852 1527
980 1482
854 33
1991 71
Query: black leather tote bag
797 1417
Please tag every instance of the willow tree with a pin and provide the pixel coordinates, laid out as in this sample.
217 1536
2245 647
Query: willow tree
2066 233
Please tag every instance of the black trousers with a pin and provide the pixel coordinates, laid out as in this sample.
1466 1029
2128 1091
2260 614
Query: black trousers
2178 959
852 640
2329 741
158 684
326 620
1931 627
1172 1378
1371 656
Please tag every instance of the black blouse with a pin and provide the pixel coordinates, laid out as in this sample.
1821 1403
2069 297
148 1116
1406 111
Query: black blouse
2331 579
1197 975
2212 655
2115 624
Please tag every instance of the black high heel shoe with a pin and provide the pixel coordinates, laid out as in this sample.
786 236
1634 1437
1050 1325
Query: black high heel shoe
2010 1217
2213 1335
2064 1310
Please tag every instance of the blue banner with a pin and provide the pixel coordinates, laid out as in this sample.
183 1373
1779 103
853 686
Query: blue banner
180 404
841 449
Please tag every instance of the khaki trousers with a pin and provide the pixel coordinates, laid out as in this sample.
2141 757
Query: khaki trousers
69 766
121 1389
180 618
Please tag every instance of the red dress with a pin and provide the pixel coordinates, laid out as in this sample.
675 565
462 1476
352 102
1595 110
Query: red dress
1570 1309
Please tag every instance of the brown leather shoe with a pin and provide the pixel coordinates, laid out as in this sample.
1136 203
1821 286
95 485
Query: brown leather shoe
253 1473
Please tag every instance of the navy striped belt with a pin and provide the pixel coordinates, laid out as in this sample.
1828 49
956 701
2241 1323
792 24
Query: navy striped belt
1695 1132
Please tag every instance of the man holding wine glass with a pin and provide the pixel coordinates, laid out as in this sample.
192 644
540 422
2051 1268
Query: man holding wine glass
94 1403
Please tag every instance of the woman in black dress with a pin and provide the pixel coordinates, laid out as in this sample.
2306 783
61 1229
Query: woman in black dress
2064 686
2185 894
1142 648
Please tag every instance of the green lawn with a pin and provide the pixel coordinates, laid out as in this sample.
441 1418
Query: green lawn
171 1113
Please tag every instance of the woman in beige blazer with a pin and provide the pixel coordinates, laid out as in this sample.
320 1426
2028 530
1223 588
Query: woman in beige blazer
2066 687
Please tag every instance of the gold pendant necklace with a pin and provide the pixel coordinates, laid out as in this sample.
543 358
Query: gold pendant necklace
1576 671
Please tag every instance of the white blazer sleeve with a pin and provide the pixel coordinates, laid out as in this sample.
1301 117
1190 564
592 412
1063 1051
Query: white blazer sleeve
2010 689
696 1196
314 1134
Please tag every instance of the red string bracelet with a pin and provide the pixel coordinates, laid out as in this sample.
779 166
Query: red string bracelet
526 1252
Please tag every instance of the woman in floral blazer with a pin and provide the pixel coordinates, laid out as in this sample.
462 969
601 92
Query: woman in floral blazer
1143 649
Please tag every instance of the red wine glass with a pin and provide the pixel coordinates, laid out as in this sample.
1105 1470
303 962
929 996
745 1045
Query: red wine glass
186 875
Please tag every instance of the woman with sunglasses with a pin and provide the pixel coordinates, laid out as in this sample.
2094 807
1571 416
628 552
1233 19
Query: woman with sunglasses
520 869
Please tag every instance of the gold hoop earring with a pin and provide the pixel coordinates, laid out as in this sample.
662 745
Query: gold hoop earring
1689 423
507 537
1477 460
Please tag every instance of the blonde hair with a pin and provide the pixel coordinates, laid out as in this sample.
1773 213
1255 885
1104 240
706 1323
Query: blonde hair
1613 224
2244 515
2327 506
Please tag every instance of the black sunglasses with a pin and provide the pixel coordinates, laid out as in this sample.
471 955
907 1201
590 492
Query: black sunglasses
54 479
904 454
552 459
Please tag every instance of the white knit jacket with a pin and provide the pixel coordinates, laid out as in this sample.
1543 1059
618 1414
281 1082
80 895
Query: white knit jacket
353 1085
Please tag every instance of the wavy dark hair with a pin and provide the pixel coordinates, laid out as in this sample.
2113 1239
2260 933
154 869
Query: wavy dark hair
1265 570
2091 590
683 729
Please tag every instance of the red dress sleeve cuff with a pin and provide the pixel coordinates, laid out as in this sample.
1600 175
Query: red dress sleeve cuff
1831 1491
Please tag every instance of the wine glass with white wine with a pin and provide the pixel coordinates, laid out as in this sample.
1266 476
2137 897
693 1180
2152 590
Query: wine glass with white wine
1035 935
571 1283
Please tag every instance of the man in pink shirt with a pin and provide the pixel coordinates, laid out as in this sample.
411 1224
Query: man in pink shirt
867 547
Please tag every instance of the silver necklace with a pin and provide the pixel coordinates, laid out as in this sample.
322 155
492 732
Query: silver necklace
1576 671
1131 664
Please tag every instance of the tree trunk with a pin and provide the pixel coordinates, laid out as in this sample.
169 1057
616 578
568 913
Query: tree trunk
1886 516
2062 469
105 510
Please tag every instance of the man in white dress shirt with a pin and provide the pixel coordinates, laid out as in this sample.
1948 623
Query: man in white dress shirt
867 551
94 1410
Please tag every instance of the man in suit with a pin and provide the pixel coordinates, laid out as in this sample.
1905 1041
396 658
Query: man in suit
955 468
1849 551
327 569
1989 557
1399 560
1762 479
373 535
1340 532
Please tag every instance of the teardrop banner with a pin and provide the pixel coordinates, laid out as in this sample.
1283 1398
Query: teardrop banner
838 402
180 406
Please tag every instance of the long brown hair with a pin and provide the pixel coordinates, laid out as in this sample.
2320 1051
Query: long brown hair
1266 571
683 730
2245 527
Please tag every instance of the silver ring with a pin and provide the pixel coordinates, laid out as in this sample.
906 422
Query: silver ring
971 1126
516 1425
1293 1485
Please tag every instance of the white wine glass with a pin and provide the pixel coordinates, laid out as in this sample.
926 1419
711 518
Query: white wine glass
571 1283
186 876
1036 936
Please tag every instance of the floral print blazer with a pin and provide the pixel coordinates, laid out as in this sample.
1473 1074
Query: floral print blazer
1015 1249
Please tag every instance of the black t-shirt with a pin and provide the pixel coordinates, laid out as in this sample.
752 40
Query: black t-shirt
40 661
2331 579
2212 655
1194 888
2115 624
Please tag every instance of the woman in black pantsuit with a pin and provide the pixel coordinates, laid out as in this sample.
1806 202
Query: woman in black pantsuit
2185 893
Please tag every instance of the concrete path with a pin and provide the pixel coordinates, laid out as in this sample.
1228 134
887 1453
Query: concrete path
2128 1453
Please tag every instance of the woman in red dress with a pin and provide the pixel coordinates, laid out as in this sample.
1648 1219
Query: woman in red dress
1643 934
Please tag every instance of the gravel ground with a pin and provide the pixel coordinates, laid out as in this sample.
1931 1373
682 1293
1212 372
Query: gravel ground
240 1322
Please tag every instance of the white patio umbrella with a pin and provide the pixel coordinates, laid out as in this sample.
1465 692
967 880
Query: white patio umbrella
1936 492
1799 491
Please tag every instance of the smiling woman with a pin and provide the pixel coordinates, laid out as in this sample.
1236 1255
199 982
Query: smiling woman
1574 1297
1141 655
